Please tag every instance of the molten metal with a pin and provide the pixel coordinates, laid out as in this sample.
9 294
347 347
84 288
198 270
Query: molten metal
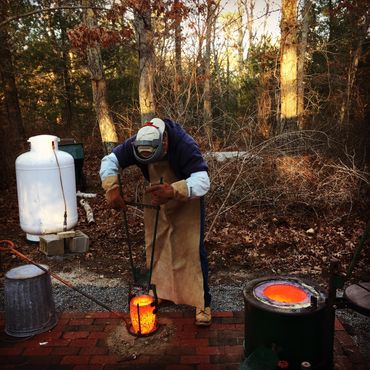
285 293
143 318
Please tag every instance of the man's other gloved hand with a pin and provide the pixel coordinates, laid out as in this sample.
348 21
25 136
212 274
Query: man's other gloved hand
114 198
161 193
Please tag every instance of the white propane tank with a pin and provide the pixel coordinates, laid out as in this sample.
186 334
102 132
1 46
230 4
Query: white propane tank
46 188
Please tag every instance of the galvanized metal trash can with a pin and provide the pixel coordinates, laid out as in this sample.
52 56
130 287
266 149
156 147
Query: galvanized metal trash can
29 302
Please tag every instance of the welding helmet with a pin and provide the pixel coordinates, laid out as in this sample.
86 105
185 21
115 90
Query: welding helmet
148 145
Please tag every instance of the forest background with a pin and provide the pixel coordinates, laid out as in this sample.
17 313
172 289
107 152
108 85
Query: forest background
291 97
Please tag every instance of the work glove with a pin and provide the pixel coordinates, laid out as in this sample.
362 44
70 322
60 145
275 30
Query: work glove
161 193
115 199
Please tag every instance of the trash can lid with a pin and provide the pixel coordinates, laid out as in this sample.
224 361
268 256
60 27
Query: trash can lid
25 272
358 295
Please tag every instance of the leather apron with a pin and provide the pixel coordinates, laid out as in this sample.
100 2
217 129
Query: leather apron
177 271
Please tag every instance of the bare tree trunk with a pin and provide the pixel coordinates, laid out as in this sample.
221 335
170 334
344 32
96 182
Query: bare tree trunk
264 104
240 39
67 111
249 10
61 70
8 80
288 66
144 32
351 77
12 134
216 65
178 69
267 10
10 89
207 105
356 52
99 88
331 30
228 73
263 88
301 63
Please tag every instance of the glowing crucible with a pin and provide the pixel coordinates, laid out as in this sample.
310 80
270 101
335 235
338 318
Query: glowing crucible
143 316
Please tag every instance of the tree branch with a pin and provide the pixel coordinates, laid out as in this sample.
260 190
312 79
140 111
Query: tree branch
33 12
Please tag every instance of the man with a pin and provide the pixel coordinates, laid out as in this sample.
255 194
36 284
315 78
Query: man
164 151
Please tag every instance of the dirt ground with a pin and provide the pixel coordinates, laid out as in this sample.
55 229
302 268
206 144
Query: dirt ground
121 342
261 240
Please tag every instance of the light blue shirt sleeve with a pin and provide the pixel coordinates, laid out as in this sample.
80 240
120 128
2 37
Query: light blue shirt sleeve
198 184
109 166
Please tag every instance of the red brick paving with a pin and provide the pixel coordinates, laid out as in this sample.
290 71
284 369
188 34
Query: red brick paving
77 343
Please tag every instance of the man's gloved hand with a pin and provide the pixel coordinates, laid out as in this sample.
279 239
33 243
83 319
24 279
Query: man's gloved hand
161 193
114 198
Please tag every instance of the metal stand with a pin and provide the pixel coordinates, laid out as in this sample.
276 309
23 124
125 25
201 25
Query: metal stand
337 281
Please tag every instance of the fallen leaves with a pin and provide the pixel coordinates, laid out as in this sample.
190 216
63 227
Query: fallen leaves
260 240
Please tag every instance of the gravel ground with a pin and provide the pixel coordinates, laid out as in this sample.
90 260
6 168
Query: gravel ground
225 297
358 327
114 293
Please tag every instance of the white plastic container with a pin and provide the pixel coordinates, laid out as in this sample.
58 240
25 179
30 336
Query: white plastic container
46 188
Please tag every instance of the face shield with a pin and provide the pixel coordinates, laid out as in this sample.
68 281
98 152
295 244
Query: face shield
148 146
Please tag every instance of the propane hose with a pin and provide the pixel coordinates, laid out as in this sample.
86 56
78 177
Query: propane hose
11 248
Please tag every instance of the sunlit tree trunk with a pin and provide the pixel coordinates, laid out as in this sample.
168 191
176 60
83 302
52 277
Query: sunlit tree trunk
99 87
240 45
301 62
288 66
144 33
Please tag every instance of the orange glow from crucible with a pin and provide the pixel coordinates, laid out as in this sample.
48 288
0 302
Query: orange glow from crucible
285 293
143 319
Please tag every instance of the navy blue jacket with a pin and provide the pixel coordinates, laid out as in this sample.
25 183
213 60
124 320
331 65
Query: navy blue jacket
183 153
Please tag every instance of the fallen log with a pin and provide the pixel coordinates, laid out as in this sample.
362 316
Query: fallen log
89 212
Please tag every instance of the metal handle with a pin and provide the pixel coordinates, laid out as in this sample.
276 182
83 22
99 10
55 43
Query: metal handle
153 241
